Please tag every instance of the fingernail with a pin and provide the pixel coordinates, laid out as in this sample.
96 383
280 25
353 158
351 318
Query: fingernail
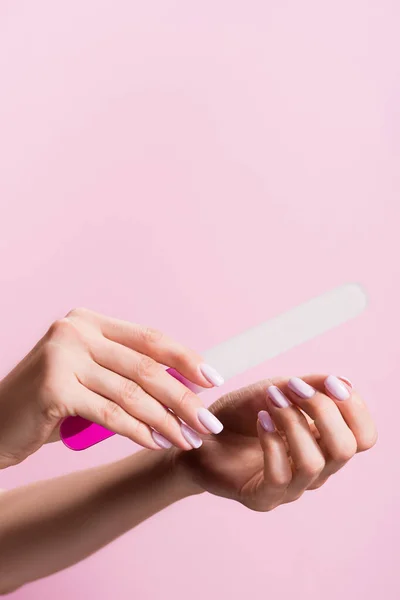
160 440
266 421
277 397
336 388
211 374
346 381
191 436
300 387
209 420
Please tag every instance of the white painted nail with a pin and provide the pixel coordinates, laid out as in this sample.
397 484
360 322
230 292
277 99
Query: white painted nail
300 387
191 436
211 374
209 420
266 421
336 388
160 440
277 397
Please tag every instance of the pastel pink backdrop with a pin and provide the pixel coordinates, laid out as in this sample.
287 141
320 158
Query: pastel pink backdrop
202 167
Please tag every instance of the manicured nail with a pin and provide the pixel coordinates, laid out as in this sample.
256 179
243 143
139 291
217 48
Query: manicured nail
160 440
191 436
266 421
346 381
209 420
300 387
336 388
211 374
277 397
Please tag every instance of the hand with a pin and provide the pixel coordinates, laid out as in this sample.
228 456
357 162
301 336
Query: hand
310 431
110 372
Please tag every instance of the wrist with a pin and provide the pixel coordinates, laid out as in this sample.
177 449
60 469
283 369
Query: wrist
181 474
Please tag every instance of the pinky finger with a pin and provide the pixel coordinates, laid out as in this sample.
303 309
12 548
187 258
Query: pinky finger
107 413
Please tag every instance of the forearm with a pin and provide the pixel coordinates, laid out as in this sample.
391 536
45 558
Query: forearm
50 525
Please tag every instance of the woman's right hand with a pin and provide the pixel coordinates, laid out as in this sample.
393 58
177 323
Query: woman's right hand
110 372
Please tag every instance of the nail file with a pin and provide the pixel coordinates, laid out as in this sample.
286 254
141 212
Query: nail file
250 349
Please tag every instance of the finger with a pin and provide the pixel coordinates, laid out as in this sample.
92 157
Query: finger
336 438
307 457
162 348
351 406
103 411
277 469
158 383
135 401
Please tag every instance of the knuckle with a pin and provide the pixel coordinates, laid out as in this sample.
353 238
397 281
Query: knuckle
168 426
312 468
262 506
64 332
60 328
129 392
184 357
366 442
134 429
270 507
292 418
185 400
323 407
280 479
110 413
139 432
151 335
345 451
167 422
317 484
79 312
146 367
294 498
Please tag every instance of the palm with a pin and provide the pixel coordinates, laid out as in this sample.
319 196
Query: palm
231 464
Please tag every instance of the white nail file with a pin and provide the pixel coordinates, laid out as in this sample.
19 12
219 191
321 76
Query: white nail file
292 328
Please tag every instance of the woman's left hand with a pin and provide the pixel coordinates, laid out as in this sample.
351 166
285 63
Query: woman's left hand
281 437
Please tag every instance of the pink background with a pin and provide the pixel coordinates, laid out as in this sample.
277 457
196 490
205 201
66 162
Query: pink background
202 167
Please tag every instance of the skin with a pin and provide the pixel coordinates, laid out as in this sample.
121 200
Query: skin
109 371
50 525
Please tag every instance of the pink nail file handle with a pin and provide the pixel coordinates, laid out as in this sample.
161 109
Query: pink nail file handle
78 433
